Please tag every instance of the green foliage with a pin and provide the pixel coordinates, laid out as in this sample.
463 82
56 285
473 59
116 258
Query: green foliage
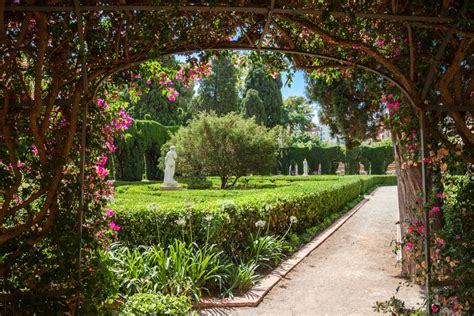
180 269
265 251
154 105
350 107
242 277
269 92
227 217
298 114
156 304
141 146
218 91
229 147
252 106
375 157
458 232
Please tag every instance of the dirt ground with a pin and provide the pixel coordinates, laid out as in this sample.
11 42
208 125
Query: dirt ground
348 273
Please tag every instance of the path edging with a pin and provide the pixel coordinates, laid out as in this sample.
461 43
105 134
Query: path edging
255 295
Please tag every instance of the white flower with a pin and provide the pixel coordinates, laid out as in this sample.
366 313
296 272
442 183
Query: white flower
181 221
293 219
228 204
260 223
209 218
152 207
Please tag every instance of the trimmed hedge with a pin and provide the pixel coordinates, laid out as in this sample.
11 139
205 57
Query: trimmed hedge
229 223
375 158
141 147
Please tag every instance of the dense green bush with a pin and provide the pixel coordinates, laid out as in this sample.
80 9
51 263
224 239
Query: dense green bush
140 149
228 146
226 218
156 304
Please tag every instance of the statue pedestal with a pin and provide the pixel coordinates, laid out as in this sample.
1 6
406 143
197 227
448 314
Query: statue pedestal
170 187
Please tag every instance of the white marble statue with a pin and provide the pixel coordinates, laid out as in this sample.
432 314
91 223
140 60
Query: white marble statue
289 170
305 167
296 169
170 166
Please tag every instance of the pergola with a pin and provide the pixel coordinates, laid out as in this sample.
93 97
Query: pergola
263 25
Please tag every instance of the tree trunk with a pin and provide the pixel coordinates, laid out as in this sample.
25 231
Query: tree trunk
409 185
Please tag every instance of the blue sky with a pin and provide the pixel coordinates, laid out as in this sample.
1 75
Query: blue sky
297 87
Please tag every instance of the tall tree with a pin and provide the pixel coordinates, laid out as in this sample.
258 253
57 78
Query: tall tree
218 91
350 108
269 90
298 114
252 106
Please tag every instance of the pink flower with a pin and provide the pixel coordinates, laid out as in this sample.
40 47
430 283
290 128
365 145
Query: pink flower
439 195
435 209
390 96
415 222
419 200
426 160
409 245
114 226
434 308
410 229
420 229
148 82
109 212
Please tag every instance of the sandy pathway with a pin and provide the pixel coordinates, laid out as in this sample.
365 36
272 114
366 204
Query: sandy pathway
346 275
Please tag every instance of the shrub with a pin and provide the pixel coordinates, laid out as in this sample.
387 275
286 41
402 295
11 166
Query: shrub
180 269
229 223
156 304
229 147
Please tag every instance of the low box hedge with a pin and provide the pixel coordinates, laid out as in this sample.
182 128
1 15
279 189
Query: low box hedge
228 223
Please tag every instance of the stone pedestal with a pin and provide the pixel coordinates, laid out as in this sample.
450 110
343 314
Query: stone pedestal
170 187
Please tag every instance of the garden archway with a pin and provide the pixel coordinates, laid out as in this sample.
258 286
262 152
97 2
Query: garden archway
68 79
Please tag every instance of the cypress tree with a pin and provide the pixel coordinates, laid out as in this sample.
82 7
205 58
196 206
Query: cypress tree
269 92
252 106
217 92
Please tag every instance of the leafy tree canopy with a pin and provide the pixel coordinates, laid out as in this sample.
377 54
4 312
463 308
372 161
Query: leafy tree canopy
298 114
229 146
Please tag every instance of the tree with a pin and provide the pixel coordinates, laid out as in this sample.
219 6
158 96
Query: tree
350 107
229 147
298 114
269 92
218 91
252 106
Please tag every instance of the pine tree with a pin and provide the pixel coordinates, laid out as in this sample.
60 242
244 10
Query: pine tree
252 106
268 91
217 92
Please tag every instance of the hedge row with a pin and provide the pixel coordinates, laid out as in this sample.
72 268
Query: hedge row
375 158
138 153
229 224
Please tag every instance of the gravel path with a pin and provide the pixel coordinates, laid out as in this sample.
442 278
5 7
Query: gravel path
347 274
